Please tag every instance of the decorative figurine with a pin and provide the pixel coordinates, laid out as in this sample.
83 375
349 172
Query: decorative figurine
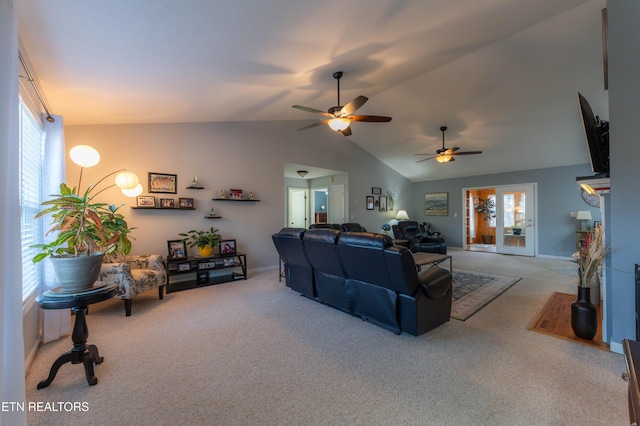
223 194
252 196
195 183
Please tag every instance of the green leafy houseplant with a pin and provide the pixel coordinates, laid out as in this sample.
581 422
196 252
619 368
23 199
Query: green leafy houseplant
201 239
486 207
83 226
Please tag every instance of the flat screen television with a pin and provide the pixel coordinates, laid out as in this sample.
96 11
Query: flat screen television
597 136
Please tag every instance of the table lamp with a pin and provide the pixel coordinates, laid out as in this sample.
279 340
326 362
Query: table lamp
583 216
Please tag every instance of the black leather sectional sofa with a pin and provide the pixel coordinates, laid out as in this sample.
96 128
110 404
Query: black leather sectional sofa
365 275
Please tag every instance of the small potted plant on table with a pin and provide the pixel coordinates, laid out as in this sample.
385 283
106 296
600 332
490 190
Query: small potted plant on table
203 241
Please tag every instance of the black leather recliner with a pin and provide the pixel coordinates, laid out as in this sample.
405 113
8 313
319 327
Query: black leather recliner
418 236
326 226
298 270
353 227
320 245
384 287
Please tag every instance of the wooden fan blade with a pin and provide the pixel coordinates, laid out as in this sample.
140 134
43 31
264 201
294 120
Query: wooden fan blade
370 118
466 153
317 123
315 111
353 105
347 131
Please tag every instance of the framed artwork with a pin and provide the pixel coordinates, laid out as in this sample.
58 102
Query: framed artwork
177 249
383 203
167 203
146 201
183 267
186 203
369 202
228 247
163 182
376 191
436 204
235 194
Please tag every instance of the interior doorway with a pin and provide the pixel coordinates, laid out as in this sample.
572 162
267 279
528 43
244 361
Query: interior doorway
319 205
501 219
297 201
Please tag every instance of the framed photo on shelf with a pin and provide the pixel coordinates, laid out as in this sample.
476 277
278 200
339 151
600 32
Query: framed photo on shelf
228 247
370 202
167 203
177 249
163 182
186 203
146 201
183 267
436 204
383 203
235 194
376 191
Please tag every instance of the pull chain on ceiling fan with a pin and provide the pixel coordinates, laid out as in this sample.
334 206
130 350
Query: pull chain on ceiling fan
339 117
445 155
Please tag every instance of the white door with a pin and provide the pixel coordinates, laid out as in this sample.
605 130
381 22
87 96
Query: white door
298 207
515 219
336 205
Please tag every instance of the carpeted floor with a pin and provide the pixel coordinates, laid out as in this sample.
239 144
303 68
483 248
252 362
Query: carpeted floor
256 353
473 291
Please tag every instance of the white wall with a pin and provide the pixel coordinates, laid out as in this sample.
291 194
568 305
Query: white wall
245 155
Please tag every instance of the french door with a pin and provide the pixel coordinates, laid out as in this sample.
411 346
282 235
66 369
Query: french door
516 219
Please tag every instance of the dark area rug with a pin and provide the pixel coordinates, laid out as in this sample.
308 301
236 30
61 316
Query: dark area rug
473 291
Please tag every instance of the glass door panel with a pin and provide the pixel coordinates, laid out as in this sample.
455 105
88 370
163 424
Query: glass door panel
515 230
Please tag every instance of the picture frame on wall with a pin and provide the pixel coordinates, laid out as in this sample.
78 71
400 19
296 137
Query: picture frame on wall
163 182
376 191
370 202
228 247
185 203
436 204
177 249
148 201
167 203
383 203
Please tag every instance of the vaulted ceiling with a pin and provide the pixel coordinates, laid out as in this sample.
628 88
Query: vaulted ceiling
501 74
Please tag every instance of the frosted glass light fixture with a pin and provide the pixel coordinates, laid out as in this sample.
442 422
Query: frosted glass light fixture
339 124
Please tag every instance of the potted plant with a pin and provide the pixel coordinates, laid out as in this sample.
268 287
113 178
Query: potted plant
589 257
487 208
86 231
203 241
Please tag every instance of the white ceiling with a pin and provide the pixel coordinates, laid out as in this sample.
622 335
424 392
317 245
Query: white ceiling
501 74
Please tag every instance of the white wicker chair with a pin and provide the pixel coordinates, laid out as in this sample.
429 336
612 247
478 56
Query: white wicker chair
135 276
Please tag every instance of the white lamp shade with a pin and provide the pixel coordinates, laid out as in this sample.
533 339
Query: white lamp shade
84 155
339 124
133 192
402 215
583 215
127 180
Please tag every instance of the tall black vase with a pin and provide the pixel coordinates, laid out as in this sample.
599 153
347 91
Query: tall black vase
584 315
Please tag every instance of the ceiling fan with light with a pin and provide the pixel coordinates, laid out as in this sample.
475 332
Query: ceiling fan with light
339 117
445 155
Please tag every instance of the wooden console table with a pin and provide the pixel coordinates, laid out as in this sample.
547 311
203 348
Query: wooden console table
202 266
631 350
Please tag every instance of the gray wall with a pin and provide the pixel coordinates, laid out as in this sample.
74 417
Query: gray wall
624 110
558 196
245 155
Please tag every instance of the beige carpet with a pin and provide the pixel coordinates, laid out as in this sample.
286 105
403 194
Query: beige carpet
256 353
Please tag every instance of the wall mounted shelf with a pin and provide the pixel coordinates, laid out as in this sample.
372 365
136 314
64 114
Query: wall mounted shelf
163 208
213 217
231 199
195 187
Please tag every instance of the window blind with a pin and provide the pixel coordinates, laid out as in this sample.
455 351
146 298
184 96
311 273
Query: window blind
31 158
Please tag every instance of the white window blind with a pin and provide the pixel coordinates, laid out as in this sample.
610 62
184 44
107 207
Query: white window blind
31 158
